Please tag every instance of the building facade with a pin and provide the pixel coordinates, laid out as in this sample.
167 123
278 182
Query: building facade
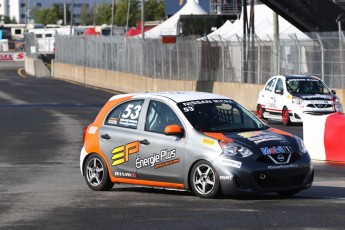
20 10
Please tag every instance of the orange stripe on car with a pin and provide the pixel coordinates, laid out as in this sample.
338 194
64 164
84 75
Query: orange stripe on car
278 131
219 136
148 183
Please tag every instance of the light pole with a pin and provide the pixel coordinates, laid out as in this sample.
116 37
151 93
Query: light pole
142 19
129 6
72 10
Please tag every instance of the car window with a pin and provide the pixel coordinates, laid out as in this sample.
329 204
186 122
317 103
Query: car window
160 115
125 115
280 85
270 84
306 86
220 116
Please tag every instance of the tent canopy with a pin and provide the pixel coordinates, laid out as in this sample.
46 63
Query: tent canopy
170 26
263 27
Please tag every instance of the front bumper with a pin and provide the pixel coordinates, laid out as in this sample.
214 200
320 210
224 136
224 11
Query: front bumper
258 177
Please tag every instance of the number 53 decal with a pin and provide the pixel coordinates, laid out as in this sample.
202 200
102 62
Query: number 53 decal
132 112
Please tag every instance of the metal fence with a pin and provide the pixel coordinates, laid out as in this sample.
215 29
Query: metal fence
190 58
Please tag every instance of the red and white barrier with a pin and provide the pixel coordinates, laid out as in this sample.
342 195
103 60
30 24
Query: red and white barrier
324 136
15 56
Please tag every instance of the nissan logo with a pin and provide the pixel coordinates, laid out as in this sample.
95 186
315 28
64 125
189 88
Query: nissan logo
280 157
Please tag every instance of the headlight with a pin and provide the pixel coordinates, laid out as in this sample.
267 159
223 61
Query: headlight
234 150
301 145
297 100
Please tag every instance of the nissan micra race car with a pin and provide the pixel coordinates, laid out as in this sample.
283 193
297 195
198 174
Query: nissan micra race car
287 98
202 142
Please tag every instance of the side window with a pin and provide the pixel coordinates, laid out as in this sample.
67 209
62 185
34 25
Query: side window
280 85
270 84
159 115
125 115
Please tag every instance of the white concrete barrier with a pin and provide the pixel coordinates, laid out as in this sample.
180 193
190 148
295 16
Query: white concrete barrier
324 136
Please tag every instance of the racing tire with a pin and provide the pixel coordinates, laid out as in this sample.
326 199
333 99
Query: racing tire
204 180
96 174
286 117
260 112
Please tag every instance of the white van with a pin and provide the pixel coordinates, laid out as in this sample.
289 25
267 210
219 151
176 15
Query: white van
45 38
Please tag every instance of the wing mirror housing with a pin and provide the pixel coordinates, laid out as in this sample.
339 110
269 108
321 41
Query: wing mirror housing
174 130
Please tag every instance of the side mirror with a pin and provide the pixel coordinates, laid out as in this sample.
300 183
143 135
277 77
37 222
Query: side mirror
279 91
333 91
173 130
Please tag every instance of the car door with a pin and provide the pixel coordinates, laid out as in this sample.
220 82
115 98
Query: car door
161 157
269 96
279 99
119 138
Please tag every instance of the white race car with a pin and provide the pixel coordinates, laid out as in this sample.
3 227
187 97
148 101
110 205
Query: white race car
286 98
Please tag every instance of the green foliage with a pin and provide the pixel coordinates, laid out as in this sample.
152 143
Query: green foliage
103 13
47 16
154 10
85 15
121 13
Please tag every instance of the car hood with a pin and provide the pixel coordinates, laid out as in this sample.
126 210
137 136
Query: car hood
270 141
315 96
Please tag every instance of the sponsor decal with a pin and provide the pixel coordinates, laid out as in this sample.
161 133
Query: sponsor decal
113 121
125 174
276 150
258 136
121 153
130 116
188 106
157 160
12 56
92 130
208 141
231 163
250 134
263 138
226 177
272 167
317 96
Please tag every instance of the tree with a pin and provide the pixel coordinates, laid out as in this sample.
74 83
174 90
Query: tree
85 15
154 10
103 13
121 13
47 16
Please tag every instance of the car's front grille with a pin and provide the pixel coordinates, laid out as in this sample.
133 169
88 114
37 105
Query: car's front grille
269 159
319 106
277 182
280 179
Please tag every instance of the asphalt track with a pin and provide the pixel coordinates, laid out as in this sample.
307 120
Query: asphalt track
41 123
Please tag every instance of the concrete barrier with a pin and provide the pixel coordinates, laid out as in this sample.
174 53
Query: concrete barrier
324 136
36 67
246 94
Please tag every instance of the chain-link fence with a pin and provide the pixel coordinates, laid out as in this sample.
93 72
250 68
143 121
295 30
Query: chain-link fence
251 61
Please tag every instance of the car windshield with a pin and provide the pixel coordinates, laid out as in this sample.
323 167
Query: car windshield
223 115
306 86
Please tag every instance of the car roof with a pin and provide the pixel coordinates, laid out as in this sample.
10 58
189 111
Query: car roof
300 76
176 96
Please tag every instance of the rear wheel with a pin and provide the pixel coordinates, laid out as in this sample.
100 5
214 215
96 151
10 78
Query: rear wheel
286 117
96 174
204 180
260 112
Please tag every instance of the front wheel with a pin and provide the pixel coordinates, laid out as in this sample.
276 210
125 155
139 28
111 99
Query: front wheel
96 174
204 180
260 112
286 117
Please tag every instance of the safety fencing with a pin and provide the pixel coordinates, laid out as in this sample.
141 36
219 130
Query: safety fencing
190 58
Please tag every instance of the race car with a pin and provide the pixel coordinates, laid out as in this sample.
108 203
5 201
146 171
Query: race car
287 98
202 142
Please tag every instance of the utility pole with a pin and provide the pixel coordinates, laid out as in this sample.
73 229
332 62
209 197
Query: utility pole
276 43
72 10
142 19
112 17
